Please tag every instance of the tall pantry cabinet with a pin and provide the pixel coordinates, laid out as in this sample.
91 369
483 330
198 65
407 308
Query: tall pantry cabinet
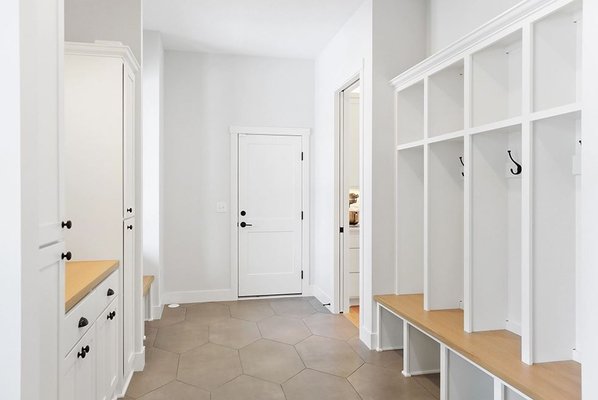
99 199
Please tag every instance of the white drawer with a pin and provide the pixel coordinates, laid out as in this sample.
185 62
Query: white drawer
353 284
78 321
102 291
353 238
353 260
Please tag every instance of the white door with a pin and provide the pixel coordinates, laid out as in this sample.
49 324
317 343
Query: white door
79 379
128 290
269 215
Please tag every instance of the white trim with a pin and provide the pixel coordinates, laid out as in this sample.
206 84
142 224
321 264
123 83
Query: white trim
104 49
253 130
199 296
502 25
139 360
234 203
156 312
319 294
336 275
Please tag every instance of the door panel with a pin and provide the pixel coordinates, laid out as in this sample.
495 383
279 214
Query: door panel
270 193
129 142
128 290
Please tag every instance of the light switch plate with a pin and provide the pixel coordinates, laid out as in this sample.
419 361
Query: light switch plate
221 207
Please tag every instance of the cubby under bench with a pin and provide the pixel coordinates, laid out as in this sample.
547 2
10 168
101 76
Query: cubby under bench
473 366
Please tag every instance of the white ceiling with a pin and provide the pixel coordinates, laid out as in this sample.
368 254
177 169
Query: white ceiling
276 28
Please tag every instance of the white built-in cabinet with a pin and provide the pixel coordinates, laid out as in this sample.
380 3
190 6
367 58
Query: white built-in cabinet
98 166
488 182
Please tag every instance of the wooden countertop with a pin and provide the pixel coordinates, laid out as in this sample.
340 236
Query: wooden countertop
81 277
498 352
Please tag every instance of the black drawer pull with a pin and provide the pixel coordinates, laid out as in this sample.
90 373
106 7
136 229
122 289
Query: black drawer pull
68 255
83 322
67 224
129 210
130 227
111 315
110 292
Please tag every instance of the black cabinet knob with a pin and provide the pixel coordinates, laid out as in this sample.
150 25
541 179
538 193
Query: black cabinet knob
130 227
244 224
81 354
110 292
67 224
129 210
83 322
111 315
243 213
86 348
67 255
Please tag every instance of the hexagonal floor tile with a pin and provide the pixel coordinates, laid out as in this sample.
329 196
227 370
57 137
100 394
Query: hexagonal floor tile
317 305
209 366
181 337
329 355
386 359
207 313
332 326
160 368
234 333
251 310
292 308
286 330
272 361
177 390
378 383
248 388
170 316
430 382
310 384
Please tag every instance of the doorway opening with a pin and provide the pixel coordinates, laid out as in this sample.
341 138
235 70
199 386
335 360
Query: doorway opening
349 195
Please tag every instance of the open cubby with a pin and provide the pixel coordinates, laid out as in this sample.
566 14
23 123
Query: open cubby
423 353
446 97
557 58
555 227
410 114
496 230
466 381
496 81
445 225
510 394
410 220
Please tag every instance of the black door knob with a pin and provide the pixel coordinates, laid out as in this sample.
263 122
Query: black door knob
110 292
243 213
130 227
82 354
67 224
83 322
129 210
67 255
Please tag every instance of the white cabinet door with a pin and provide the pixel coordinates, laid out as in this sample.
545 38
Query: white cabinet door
129 142
269 215
79 370
107 355
128 294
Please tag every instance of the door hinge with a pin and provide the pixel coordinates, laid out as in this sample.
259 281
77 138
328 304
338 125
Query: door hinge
342 230
301 274
301 156
301 215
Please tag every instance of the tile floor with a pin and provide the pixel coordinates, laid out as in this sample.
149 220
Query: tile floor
279 349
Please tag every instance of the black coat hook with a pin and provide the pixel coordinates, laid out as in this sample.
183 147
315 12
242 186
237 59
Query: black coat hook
463 164
519 169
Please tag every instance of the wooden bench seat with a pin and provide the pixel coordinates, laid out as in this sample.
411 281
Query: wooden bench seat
498 352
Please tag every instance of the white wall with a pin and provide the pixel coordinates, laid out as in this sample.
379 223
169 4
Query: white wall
451 20
385 38
10 201
589 177
345 56
118 20
204 95
153 67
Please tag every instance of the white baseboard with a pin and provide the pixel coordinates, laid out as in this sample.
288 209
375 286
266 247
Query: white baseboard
156 312
576 356
125 386
321 296
367 337
139 360
199 296
514 327
416 373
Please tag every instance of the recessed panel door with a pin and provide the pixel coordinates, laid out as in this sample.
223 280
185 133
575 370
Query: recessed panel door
269 215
